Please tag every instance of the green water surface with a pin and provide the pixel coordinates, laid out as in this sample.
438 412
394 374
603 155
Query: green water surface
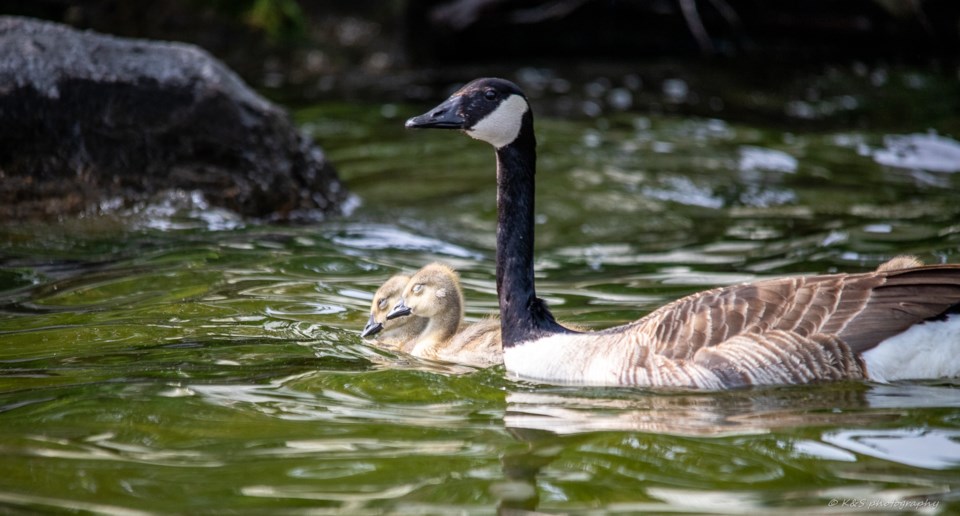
172 358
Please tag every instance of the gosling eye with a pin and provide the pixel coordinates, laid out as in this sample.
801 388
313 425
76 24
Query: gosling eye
382 304
490 94
417 288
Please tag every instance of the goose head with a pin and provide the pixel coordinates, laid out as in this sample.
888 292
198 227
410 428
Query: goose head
496 111
432 293
383 301
491 110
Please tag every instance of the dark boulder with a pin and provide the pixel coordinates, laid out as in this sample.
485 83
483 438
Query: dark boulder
88 119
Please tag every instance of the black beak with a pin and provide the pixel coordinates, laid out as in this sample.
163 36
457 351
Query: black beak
400 310
445 116
372 328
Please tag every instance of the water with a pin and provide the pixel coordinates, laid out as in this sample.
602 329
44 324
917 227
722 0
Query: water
169 358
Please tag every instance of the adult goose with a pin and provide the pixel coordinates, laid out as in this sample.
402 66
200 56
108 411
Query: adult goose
884 325
434 294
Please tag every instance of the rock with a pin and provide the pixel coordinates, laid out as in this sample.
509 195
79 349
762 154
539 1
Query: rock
88 119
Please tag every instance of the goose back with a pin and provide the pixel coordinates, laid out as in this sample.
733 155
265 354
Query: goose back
861 309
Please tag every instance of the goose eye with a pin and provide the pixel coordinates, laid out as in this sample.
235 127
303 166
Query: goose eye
382 303
417 288
490 94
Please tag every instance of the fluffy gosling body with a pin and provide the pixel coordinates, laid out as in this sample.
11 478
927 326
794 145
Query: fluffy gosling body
434 294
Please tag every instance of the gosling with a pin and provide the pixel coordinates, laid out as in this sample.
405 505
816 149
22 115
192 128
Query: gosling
395 334
434 294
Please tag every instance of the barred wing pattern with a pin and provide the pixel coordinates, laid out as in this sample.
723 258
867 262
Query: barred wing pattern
790 330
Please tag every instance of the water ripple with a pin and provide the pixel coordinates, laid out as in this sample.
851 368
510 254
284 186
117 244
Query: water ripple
371 237
929 448
929 152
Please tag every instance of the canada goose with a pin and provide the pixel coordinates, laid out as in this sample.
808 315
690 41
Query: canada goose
883 325
434 294
397 334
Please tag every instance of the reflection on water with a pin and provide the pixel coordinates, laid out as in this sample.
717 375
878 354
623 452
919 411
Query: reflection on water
763 159
751 411
929 152
171 359
920 447
710 415
369 237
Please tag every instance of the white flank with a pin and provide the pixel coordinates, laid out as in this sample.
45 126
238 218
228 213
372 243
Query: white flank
562 359
502 126
926 350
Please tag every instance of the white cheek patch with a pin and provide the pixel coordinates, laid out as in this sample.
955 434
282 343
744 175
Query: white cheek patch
502 126
441 293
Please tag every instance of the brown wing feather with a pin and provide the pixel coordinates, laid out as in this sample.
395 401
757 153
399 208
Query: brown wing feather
780 357
860 309
905 298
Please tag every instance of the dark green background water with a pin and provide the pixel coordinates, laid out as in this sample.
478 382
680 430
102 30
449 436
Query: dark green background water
172 358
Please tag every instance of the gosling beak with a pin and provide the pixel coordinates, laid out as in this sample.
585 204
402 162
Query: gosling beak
372 328
400 310
445 116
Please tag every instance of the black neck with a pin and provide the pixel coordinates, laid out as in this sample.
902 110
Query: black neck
522 315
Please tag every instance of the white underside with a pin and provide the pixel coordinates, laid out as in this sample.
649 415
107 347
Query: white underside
926 350
567 359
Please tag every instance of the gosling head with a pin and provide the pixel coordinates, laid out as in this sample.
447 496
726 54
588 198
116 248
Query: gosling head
490 110
383 301
432 293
